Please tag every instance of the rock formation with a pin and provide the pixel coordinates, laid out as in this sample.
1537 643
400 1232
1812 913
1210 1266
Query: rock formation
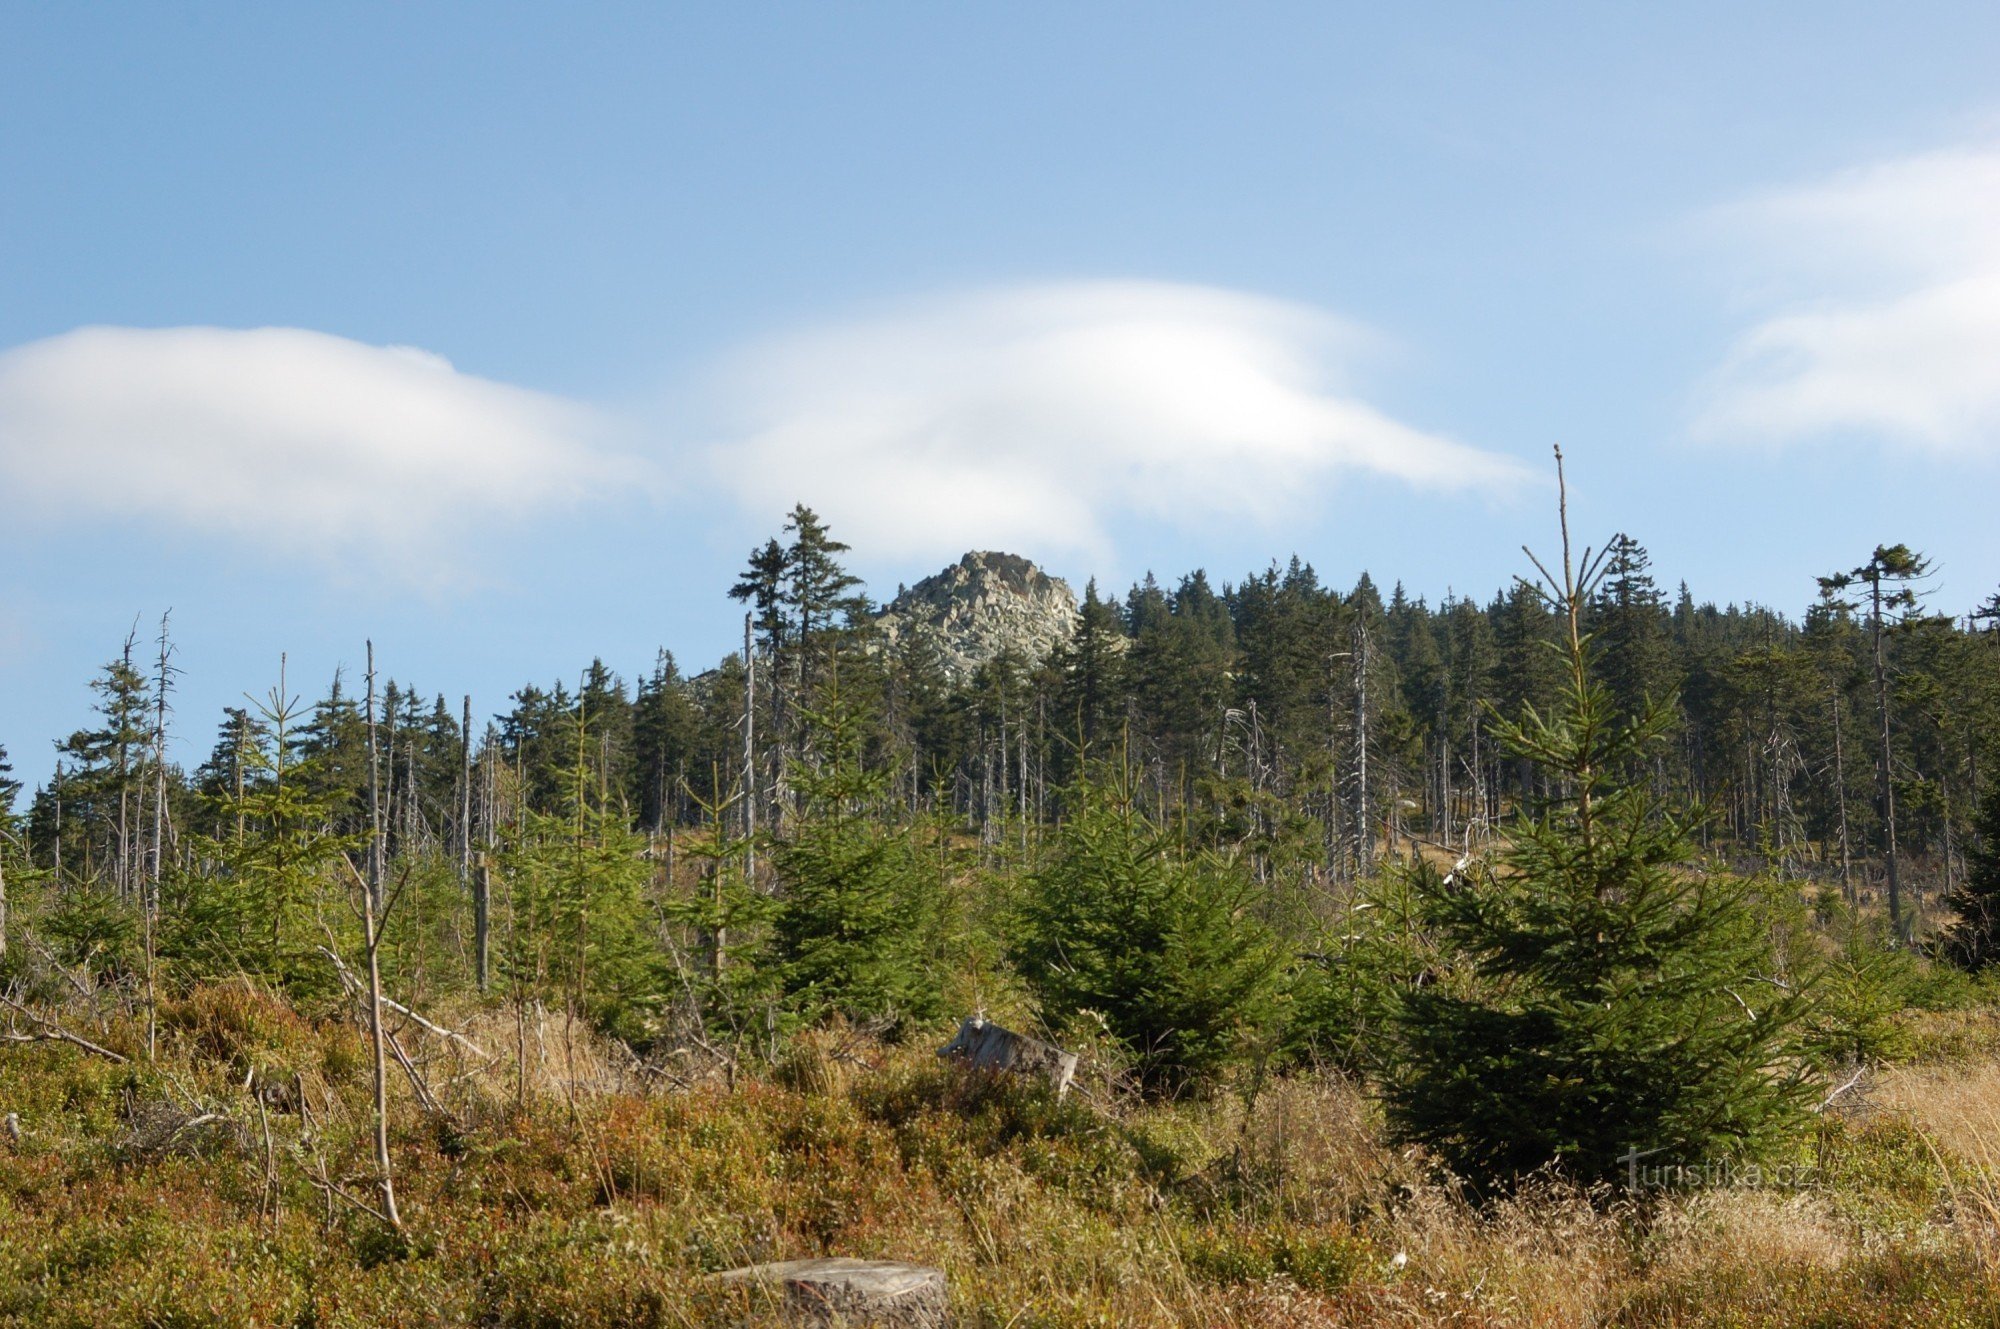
985 1046
982 605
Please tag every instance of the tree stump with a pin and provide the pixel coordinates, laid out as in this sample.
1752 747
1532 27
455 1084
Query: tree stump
851 1292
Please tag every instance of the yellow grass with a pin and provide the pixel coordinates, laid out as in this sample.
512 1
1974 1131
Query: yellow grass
565 1184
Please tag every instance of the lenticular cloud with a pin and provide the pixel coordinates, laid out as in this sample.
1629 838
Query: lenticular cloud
1032 417
301 441
1884 322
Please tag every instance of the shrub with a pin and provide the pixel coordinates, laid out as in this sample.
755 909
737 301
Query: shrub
1160 944
1345 994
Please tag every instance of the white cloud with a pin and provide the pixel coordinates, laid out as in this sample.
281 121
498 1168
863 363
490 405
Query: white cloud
1033 417
296 441
1887 325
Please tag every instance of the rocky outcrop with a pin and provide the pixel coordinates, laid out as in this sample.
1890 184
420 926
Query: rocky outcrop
982 605
985 1046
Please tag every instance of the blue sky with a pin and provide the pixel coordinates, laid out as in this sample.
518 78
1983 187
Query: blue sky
500 333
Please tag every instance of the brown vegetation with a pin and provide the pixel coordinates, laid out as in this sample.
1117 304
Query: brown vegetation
557 1181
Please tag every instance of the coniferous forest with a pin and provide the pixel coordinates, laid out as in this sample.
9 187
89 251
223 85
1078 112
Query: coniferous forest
1393 937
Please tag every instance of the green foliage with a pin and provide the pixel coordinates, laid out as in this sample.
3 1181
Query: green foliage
1162 945
576 929
1090 700
862 899
1972 941
802 599
90 928
1345 995
727 968
1618 1000
87 816
851 931
1317 1260
1861 990
429 927
9 788
255 895
573 925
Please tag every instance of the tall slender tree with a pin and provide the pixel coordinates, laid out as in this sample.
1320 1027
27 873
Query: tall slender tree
1890 575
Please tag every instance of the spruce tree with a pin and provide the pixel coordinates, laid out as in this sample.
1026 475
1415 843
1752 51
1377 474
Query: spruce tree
9 788
1629 619
607 710
1179 670
573 881
9 846
664 724
1525 673
861 899
1163 945
260 880
1617 1007
1472 659
1973 941
1890 576
823 598
1090 704
105 775
334 744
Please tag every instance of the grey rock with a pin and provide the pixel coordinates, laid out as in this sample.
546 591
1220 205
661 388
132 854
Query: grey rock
980 606
851 1292
986 1046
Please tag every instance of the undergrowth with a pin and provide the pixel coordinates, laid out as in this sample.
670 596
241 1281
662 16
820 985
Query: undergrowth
555 1182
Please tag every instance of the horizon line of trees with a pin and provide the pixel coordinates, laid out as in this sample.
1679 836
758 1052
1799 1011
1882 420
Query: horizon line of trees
1317 728
1271 823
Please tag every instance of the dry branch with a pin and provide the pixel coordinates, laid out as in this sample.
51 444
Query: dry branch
353 984
47 1030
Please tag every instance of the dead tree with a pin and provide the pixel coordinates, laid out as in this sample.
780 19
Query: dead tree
1364 833
749 751
371 918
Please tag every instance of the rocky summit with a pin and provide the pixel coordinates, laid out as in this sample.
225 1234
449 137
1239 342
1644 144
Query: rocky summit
982 605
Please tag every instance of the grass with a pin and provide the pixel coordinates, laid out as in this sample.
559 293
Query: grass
558 1183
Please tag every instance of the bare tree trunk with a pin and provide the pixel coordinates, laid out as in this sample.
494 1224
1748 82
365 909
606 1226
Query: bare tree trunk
1950 849
466 876
374 790
160 682
482 924
56 853
1885 784
150 909
1023 789
1336 861
985 795
482 900
278 749
1840 796
1364 835
371 900
749 753
125 865
371 931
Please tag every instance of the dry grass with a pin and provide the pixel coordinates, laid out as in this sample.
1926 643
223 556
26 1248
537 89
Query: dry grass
555 1181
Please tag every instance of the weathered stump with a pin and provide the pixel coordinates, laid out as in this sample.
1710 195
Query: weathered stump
851 1292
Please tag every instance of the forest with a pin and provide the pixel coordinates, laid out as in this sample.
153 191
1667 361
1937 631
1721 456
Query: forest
1427 963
